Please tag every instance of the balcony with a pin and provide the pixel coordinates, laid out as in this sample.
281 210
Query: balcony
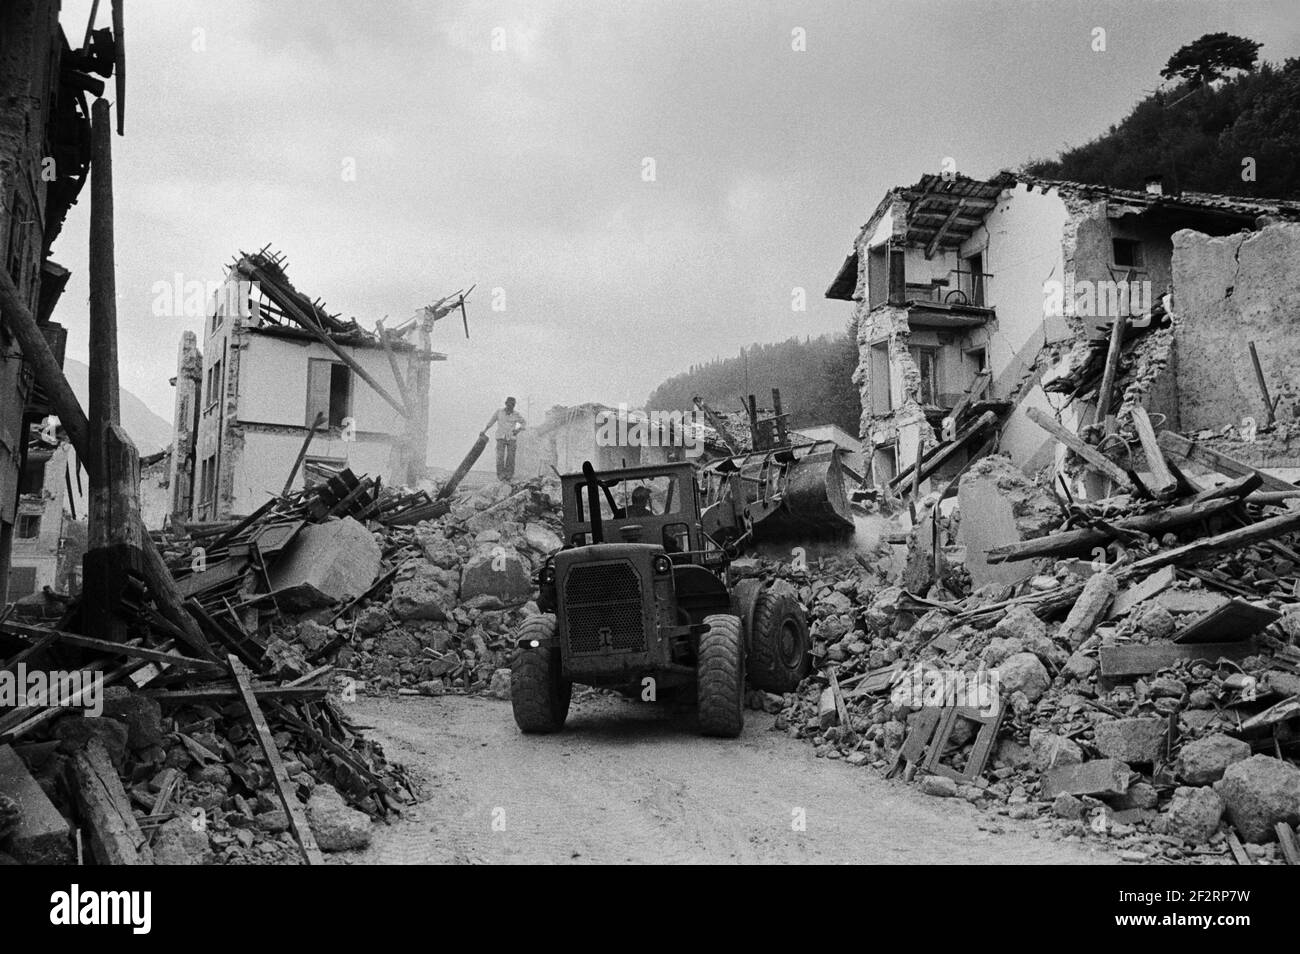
957 301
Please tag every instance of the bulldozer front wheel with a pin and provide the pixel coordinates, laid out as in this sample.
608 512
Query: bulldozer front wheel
779 646
720 677
538 694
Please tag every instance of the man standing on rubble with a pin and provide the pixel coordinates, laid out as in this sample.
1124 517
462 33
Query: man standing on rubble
509 423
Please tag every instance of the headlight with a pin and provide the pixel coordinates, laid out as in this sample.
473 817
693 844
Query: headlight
548 575
662 565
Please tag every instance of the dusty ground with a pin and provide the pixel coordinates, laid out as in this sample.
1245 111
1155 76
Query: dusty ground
634 783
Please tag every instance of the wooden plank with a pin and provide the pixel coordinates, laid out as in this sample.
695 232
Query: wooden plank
1182 449
1141 591
840 708
1163 483
1098 461
1081 542
1143 659
115 836
1232 622
292 807
1278 712
1236 539
26 631
1286 840
227 693
1239 853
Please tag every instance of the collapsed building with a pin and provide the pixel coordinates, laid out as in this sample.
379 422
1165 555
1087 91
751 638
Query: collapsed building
44 156
362 397
969 292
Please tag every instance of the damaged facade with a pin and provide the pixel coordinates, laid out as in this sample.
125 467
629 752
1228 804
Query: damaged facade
275 374
44 155
48 541
969 291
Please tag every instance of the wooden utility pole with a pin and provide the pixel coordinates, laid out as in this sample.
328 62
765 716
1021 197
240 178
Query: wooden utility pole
115 552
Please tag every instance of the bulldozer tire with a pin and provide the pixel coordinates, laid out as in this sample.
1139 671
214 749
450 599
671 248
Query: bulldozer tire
539 697
720 677
779 645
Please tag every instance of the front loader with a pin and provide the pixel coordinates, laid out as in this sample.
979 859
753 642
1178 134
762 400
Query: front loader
638 600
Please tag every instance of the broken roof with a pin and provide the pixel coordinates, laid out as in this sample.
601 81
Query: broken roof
944 211
286 312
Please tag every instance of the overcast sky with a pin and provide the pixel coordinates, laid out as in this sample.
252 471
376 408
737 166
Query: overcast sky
522 169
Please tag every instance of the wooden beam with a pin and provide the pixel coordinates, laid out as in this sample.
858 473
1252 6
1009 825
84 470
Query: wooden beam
1081 542
1237 539
1105 395
105 396
186 697
115 836
302 452
942 230
38 356
392 363
1098 461
292 807
1238 487
1163 483
41 635
1270 417
929 466
1182 449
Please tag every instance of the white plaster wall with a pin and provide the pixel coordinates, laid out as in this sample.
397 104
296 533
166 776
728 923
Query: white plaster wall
266 458
273 384
1021 243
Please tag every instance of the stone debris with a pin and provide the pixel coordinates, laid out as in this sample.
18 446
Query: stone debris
1114 727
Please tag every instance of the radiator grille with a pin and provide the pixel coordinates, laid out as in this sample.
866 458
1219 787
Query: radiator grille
602 604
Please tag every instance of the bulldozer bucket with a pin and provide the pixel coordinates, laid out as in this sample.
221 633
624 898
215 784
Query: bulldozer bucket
784 492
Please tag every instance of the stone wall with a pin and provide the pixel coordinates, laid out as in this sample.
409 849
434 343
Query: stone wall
1228 292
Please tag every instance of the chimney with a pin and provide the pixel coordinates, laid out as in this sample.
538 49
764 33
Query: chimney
1155 185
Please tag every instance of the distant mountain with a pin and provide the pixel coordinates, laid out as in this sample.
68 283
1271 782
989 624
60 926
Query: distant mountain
814 376
150 432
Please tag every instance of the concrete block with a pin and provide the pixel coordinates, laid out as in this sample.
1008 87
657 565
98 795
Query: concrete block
1100 777
43 836
327 562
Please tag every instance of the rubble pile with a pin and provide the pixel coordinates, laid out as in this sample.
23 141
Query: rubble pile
1144 658
231 744
459 587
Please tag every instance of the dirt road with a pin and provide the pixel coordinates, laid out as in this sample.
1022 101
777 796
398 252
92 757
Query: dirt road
634 783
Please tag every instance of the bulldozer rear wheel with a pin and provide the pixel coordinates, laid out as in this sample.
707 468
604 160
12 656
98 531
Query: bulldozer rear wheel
538 695
720 677
779 645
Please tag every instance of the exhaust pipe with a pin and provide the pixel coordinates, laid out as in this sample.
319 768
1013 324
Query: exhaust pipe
593 502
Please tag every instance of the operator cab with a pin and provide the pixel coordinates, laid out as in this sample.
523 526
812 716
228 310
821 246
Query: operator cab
658 505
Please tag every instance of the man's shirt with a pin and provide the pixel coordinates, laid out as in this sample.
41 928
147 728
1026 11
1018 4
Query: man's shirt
507 422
